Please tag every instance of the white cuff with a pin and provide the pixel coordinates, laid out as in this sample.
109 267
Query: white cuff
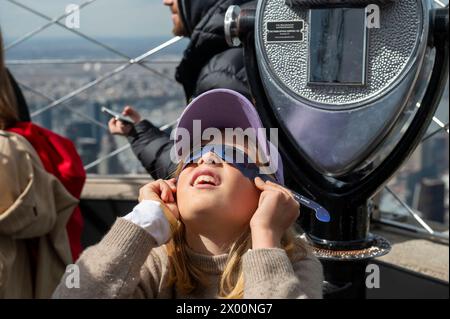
149 215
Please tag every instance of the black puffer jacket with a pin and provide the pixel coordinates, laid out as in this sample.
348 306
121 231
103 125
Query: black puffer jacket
208 63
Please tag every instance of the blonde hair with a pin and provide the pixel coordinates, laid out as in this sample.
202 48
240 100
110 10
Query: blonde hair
8 103
186 277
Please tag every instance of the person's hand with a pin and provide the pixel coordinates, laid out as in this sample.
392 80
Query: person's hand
162 191
118 127
277 211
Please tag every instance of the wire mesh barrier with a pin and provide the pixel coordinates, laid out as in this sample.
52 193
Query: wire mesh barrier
125 61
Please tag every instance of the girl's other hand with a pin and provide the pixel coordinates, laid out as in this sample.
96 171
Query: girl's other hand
162 191
119 128
277 211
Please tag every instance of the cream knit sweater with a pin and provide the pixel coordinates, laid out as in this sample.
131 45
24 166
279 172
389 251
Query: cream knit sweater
127 264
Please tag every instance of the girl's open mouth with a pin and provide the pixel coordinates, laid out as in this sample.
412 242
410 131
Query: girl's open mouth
205 179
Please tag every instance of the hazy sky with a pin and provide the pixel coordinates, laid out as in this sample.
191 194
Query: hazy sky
103 18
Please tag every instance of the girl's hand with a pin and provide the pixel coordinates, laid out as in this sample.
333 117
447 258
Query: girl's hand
277 211
163 192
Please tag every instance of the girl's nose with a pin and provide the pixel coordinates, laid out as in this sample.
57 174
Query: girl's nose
209 158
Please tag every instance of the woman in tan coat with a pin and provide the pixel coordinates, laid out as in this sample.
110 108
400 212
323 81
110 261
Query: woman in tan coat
34 209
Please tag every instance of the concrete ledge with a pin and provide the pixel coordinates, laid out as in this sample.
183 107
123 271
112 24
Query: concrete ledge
418 255
114 187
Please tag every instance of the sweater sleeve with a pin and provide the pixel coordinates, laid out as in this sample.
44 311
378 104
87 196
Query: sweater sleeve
269 273
113 268
152 148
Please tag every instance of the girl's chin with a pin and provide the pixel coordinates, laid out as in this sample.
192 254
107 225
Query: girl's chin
204 207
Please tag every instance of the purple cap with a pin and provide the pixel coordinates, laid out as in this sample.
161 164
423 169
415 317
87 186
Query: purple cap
223 108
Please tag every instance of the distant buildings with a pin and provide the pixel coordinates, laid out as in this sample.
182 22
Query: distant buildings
429 199
423 182
158 99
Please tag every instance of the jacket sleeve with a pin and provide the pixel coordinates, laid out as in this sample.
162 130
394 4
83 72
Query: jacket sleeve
152 147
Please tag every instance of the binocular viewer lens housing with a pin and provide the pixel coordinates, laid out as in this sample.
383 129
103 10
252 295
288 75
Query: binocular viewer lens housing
341 89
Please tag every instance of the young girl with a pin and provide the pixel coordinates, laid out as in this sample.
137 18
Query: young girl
212 232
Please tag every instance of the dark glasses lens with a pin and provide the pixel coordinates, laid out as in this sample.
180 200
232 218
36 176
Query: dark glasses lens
226 153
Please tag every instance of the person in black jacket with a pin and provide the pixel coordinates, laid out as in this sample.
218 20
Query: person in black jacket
208 63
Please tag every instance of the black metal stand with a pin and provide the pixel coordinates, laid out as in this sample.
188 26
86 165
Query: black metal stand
345 245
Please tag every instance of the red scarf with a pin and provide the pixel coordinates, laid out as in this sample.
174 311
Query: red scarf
61 159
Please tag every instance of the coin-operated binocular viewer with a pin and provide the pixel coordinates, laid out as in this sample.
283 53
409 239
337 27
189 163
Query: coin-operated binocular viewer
352 86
